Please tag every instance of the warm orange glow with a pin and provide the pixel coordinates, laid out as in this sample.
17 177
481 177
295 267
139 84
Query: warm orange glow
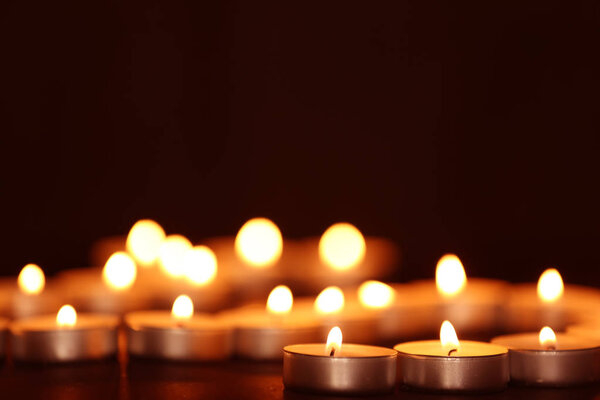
259 243
200 265
450 277
342 246
547 338
448 337
171 255
375 294
119 272
183 307
550 285
66 316
143 241
280 300
334 341
31 279
330 300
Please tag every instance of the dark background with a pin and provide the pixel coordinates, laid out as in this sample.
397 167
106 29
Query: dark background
448 126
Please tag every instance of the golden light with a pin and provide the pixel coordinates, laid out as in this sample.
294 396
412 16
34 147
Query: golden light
375 294
119 272
330 300
259 243
183 307
450 276
342 246
200 265
334 341
280 300
550 286
547 338
144 240
448 337
171 254
31 279
66 316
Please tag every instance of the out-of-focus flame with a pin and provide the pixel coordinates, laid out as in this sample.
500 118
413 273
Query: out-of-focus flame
120 271
259 243
200 265
280 300
31 279
450 276
342 246
375 294
66 316
144 240
330 300
448 337
171 255
550 286
547 338
334 341
183 307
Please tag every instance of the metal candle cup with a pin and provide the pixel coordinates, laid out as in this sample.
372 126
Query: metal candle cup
571 361
156 334
355 369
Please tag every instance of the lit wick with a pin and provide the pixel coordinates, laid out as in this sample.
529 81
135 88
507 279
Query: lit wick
332 353
334 341
452 351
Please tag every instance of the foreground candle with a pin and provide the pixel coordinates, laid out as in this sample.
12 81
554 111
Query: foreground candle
65 337
178 335
450 365
339 369
546 359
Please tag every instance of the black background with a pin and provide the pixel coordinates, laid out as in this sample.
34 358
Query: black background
448 126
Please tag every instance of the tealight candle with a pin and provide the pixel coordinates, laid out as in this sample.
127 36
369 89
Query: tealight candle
178 335
28 296
64 337
450 365
336 368
547 359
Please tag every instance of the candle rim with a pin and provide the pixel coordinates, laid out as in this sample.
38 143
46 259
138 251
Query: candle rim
589 344
500 349
341 356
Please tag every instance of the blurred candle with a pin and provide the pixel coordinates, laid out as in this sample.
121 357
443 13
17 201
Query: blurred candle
259 243
144 241
29 296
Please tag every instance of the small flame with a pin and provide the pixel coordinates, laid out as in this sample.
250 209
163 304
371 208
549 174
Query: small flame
334 341
171 254
66 316
280 300
200 265
450 277
259 243
375 294
143 241
31 279
183 307
448 337
342 246
330 300
119 272
550 285
547 338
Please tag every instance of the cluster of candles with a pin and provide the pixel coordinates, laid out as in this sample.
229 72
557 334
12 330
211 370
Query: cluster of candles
172 271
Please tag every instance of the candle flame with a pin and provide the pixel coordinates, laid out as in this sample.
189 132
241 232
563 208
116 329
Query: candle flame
200 265
330 300
375 294
183 307
547 338
143 241
31 279
448 337
450 277
259 243
280 300
120 271
342 246
66 316
550 286
334 341
171 255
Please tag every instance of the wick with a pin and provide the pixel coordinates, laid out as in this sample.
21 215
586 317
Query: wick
452 351
551 347
332 353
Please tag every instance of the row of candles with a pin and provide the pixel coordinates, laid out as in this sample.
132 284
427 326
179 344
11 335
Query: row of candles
271 329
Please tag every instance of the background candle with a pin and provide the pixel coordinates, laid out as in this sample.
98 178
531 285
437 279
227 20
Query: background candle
3 336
